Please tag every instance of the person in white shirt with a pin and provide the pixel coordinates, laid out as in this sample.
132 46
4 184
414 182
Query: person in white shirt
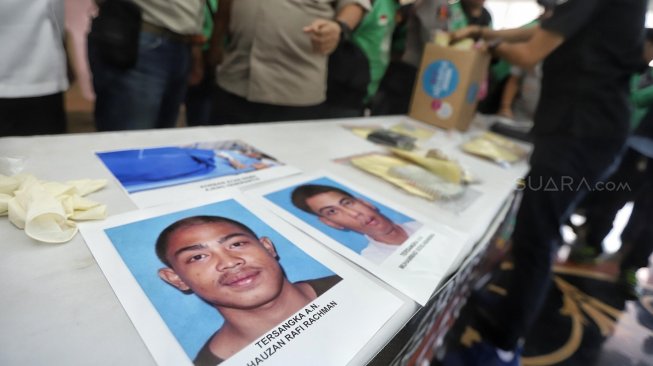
33 67
341 210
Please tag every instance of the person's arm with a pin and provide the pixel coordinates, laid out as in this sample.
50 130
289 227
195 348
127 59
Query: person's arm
220 30
523 47
351 14
70 57
510 91
197 65
568 18
325 33
528 54
478 32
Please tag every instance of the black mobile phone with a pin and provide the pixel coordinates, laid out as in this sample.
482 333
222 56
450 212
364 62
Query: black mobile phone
391 138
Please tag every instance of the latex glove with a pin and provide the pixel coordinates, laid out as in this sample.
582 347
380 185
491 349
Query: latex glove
45 210
41 215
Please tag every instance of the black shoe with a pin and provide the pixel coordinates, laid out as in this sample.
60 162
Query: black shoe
486 309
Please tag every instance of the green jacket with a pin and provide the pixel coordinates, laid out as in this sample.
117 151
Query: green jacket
641 96
374 37
207 27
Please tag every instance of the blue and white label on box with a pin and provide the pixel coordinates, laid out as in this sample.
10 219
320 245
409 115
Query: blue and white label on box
440 79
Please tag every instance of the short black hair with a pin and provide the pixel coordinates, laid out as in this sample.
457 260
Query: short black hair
306 191
164 236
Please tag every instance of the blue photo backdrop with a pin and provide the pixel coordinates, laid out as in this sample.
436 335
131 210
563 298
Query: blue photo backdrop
353 240
190 319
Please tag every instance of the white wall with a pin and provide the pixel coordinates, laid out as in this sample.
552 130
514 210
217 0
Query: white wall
514 13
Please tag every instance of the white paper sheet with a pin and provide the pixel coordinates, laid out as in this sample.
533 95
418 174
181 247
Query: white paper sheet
174 325
417 265
157 175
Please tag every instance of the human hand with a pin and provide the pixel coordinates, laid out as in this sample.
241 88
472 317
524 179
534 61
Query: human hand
470 31
325 35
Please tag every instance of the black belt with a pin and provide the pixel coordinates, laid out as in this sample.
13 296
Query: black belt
167 33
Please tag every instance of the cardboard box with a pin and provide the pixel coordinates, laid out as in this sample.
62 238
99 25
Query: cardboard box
447 85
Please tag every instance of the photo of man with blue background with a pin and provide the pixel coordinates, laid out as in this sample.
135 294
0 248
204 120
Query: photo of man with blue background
369 228
193 262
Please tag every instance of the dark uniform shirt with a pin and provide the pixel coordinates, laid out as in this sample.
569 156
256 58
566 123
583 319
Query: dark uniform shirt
585 81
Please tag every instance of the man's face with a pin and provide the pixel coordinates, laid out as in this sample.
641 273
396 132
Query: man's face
223 264
343 212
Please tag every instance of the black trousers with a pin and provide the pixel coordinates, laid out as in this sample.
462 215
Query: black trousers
32 116
395 90
199 100
563 170
639 230
629 182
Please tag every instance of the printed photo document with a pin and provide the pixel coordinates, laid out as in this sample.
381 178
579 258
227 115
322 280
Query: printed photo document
163 174
409 252
228 282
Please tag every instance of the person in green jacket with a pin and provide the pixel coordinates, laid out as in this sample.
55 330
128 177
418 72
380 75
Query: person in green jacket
368 50
424 19
374 36
641 86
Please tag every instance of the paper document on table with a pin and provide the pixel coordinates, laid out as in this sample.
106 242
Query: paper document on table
164 174
225 280
407 251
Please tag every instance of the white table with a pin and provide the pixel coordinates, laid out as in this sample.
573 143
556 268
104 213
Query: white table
56 306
